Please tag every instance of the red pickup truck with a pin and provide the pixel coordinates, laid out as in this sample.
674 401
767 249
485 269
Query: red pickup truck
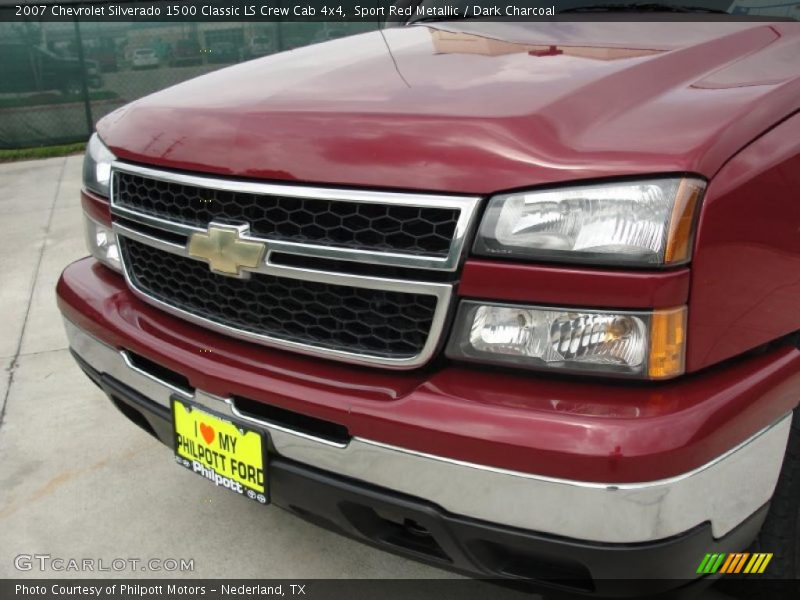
520 300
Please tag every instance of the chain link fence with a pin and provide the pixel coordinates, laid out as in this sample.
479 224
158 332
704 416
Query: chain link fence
58 79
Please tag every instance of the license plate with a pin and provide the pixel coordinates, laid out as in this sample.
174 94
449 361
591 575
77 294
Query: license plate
226 454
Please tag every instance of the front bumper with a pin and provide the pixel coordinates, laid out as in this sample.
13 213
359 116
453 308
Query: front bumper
717 502
418 528
724 492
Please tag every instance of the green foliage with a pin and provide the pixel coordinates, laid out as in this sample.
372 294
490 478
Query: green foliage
42 152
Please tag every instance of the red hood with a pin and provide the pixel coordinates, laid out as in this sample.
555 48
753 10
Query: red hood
478 109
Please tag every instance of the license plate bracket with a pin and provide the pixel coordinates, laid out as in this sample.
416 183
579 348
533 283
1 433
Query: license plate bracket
224 452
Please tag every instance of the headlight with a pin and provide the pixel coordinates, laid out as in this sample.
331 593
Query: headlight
97 166
623 343
102 243
642 223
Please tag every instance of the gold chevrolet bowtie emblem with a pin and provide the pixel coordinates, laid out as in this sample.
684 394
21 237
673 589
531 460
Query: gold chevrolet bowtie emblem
225 250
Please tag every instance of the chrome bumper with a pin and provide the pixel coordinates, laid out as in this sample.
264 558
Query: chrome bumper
723 492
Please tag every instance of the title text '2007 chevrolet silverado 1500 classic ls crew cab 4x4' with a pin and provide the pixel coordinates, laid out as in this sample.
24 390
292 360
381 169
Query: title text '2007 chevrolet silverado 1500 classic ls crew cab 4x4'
521 300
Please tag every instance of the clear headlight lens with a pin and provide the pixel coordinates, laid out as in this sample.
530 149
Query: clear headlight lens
644 223
97 166
102 244
637 344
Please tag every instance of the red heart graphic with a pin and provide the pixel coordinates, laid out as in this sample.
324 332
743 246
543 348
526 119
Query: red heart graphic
207 432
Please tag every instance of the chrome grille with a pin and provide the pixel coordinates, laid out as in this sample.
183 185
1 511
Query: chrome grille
387 321
419 230
375 322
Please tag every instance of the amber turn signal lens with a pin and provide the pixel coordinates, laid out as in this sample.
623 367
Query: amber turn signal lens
667 355
681 226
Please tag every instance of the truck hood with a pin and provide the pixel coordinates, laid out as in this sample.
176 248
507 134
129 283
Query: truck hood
477 107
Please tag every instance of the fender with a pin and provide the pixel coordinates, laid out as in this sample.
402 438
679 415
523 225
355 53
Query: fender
745 277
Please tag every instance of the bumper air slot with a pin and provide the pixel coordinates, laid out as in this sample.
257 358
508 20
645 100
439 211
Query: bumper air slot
319 428
134 415
398 531
517 563
160 372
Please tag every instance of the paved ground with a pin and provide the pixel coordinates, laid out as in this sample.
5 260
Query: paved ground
76 479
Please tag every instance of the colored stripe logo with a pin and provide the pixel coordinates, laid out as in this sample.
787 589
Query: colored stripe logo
735 562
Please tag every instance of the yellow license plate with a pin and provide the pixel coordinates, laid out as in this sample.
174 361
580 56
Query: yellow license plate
224 453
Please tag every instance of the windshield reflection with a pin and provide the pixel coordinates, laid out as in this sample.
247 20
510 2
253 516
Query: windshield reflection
456 42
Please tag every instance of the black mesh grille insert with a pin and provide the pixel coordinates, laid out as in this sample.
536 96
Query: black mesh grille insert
355 225
374 322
